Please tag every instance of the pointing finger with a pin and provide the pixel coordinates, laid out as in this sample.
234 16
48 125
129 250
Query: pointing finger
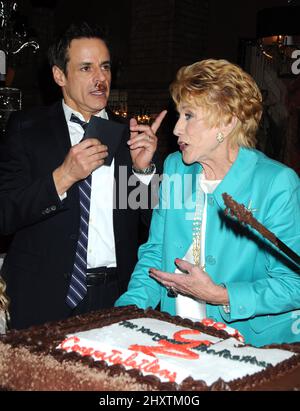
156 124
133 122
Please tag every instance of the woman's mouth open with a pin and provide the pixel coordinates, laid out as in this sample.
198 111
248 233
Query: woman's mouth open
182 145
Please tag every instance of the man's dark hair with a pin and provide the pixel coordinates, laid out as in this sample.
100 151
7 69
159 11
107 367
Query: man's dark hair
58 52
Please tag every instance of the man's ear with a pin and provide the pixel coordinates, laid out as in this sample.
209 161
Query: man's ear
59 76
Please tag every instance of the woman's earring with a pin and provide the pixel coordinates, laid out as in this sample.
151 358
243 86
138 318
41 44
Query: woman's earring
220 137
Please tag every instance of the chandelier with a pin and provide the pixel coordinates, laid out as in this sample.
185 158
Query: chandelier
278 34
14 35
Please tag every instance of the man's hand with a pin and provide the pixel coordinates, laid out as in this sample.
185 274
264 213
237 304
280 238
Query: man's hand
196 283
81 161
143 141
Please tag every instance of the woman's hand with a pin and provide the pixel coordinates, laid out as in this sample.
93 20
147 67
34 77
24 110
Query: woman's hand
195 283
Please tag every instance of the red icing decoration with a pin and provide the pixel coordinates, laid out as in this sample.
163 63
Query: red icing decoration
207 322
219 326
174 350
68 340
115 357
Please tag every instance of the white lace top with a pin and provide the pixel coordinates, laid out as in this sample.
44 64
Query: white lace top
188 307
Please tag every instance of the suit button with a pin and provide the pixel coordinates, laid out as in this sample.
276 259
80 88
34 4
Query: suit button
73 237
67 275
210 260
242 310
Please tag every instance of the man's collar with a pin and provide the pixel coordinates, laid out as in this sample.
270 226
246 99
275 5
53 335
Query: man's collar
69 111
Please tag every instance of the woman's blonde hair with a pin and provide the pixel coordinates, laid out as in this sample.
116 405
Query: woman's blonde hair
4 300
223 90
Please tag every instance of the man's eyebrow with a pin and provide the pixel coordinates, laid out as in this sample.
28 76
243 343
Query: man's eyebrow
88 63
85 63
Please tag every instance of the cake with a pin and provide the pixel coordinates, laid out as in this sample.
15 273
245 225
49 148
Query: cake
128 349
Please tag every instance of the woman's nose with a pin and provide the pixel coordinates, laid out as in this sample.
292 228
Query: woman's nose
178 128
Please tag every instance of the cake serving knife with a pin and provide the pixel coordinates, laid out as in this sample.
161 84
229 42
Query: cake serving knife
245 216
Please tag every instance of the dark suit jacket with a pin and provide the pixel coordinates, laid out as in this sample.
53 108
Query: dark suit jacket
39 262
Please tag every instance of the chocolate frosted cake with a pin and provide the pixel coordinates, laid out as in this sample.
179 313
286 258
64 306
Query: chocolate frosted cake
128 349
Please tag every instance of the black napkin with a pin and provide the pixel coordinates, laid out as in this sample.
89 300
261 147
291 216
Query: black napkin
108 132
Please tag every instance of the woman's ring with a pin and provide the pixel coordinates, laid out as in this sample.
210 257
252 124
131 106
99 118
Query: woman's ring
172 292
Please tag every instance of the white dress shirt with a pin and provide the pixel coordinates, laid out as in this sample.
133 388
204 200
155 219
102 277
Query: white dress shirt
101 240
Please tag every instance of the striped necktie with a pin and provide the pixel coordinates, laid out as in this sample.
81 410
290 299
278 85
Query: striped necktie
78 288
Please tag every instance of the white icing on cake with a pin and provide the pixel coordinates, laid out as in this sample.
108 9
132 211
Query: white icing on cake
172 352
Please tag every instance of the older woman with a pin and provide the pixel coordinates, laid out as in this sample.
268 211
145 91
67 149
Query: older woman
206 264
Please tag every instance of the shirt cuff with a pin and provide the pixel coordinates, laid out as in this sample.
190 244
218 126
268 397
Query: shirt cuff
242 301
226 307
145 179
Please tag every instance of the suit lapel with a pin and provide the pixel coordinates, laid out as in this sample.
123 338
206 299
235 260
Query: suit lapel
59 130
234 184
62 143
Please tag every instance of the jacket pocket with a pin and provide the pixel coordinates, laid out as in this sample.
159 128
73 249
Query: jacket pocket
262 323
28 262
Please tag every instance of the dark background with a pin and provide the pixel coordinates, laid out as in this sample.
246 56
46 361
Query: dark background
226 23
228 20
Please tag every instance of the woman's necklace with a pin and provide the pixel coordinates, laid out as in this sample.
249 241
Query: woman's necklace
197 223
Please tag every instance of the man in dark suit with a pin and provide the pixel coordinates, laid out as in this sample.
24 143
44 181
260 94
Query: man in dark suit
43 160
